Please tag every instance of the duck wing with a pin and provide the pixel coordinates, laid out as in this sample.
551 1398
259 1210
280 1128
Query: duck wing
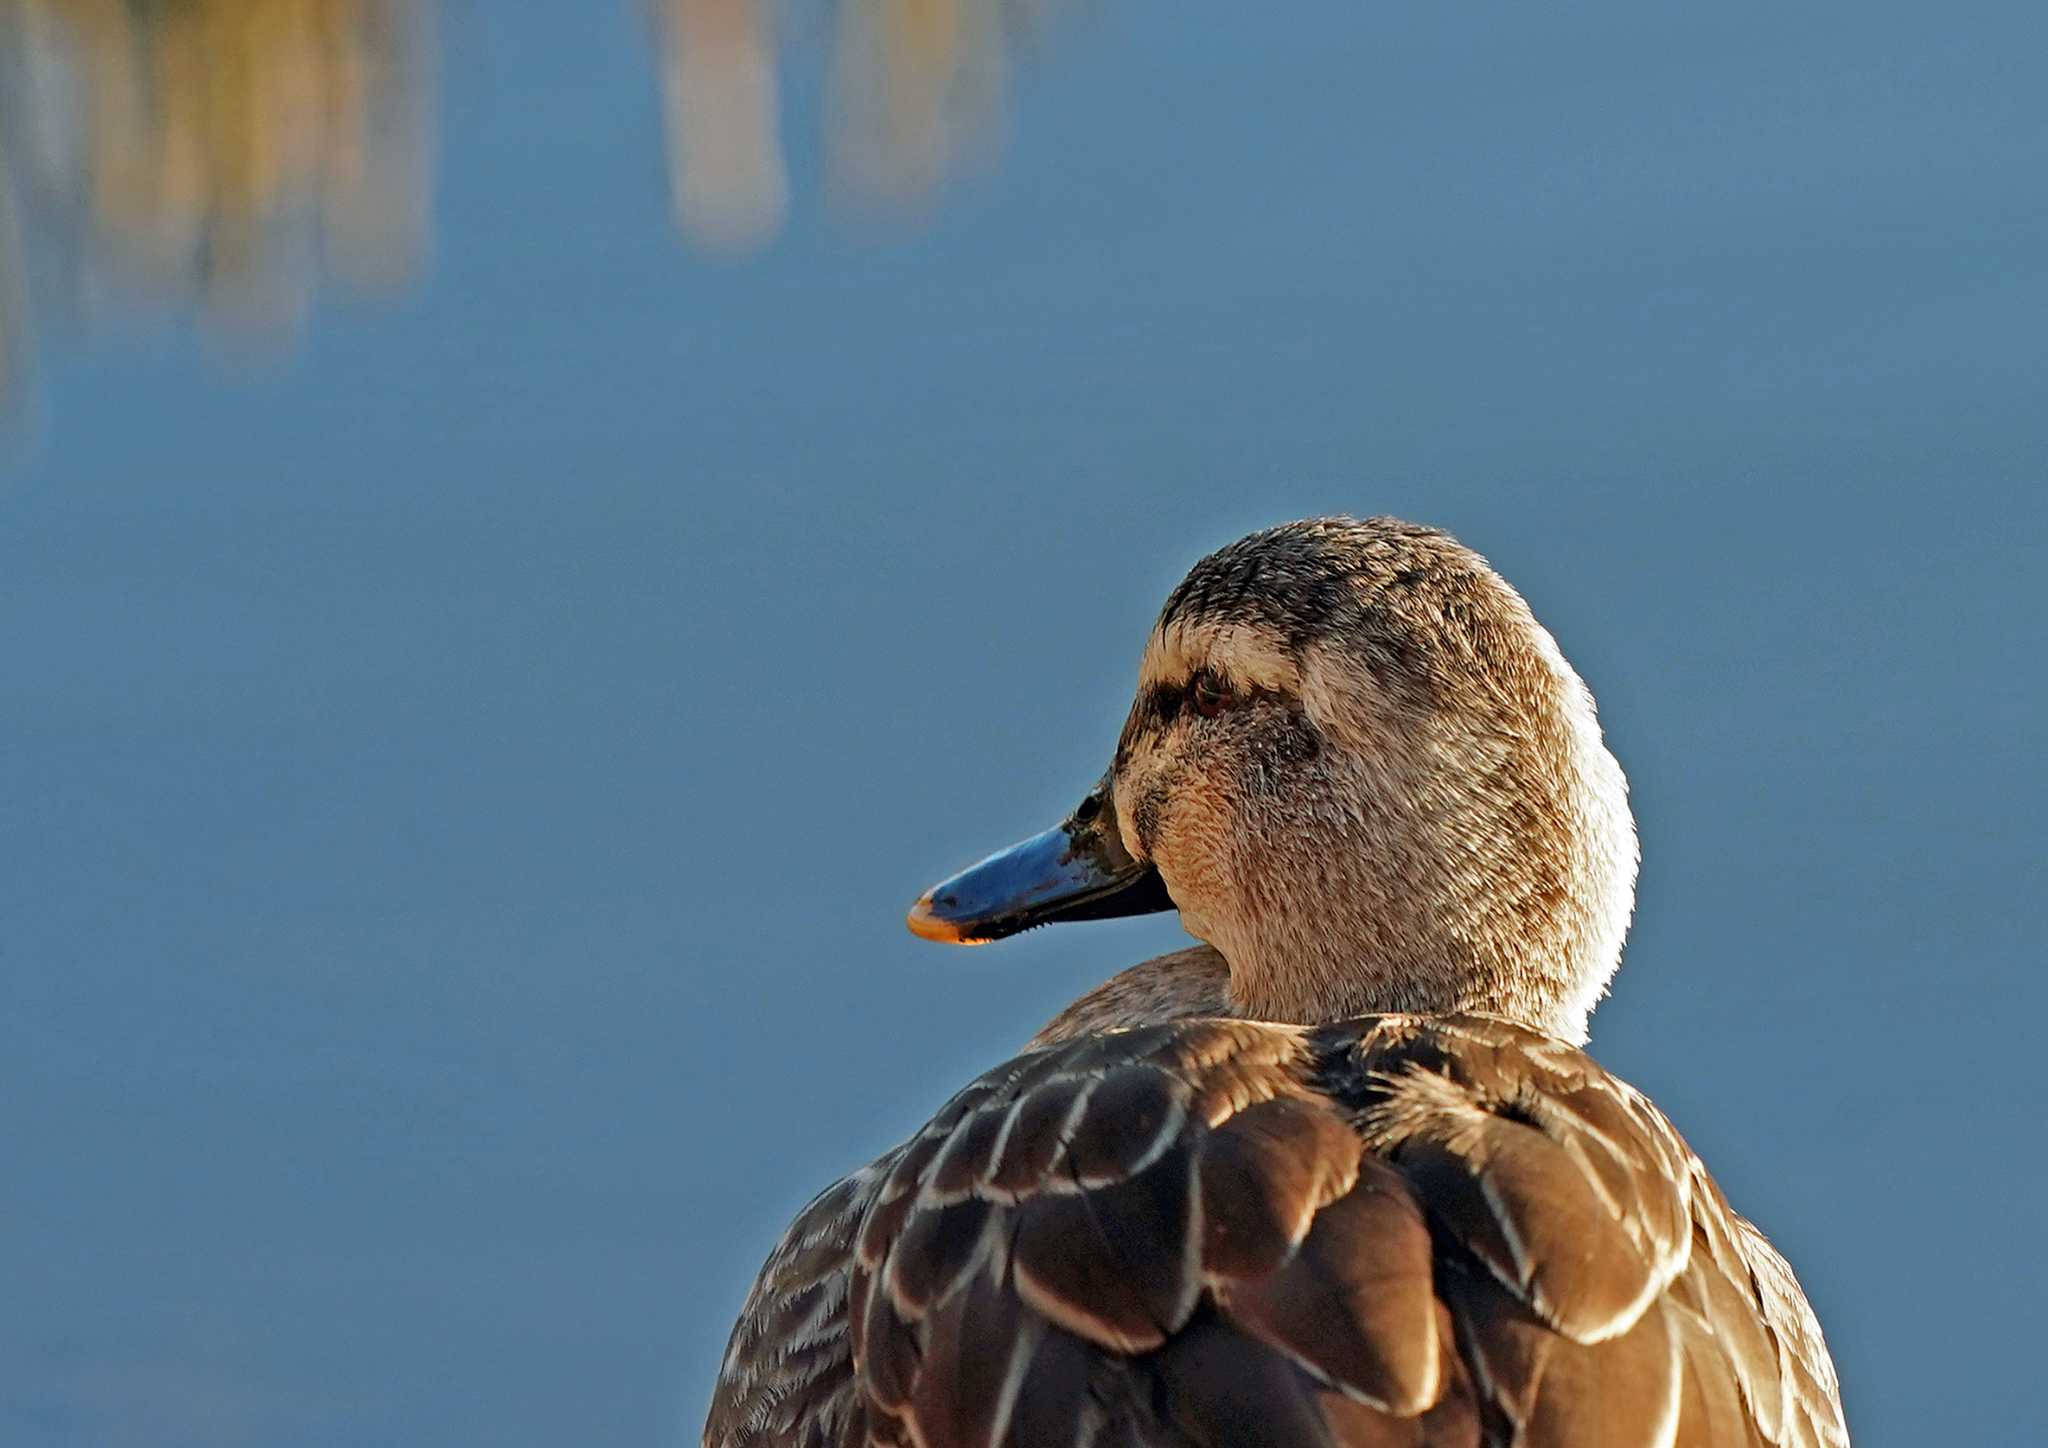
1228 1234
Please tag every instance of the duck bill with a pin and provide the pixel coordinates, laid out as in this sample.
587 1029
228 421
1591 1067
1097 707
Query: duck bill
1077 870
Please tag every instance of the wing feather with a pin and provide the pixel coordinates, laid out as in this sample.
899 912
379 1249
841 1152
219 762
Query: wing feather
1398 1230
1354 1304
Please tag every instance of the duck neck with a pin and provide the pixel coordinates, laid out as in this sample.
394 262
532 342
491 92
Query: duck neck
1308 986
1439 941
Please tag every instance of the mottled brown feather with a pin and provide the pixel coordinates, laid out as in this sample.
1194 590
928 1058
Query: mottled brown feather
1131 1117
1265 1173
933 1254
1354 1303
1319 1255
1117 1264
1221 1389
1037 1132
1054 1404
976 1346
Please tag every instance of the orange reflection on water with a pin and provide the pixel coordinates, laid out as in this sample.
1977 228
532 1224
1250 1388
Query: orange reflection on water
720 105
915 86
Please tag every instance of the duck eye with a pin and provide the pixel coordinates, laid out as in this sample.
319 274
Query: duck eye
1211 696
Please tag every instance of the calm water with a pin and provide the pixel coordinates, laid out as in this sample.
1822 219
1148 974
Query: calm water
529 532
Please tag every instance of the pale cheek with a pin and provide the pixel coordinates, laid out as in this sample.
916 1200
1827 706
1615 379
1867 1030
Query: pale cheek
1136 810
1192 852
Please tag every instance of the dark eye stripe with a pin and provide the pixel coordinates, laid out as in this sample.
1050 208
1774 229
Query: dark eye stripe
1161 704
1163 701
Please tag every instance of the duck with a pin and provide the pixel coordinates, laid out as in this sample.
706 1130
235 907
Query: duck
1341 1174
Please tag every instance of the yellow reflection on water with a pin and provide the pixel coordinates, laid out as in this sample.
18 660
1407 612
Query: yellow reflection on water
225 158
915 88
915 84
219 155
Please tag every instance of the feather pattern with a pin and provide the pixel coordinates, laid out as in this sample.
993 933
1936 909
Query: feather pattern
1394 1230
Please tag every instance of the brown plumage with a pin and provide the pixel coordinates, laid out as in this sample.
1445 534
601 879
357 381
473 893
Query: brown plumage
1339 1177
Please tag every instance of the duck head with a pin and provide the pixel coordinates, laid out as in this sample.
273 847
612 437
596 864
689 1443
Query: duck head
1363 773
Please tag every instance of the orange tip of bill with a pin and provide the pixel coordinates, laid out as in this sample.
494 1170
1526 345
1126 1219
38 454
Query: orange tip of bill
926 925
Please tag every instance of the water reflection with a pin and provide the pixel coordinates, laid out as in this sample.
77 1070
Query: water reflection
216 155
224 158
915 85
720 105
